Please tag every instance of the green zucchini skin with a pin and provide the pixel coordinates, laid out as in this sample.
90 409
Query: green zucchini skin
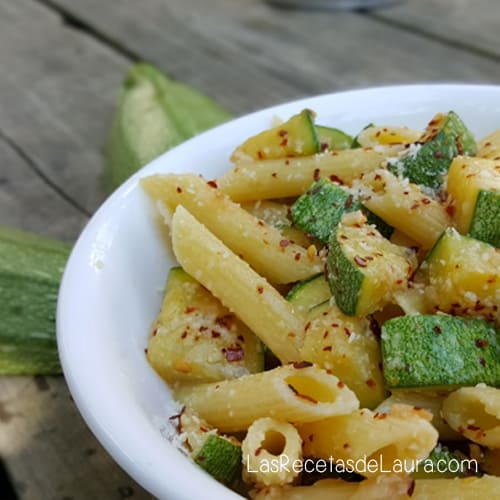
221 459
31 268
318 211
355 143
429 469
154 114
427 165
308 294
333 139
485 224
440 352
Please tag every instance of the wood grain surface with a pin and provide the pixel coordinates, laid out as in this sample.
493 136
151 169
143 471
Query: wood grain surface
62 62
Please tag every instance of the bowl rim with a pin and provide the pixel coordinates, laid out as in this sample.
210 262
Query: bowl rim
84 401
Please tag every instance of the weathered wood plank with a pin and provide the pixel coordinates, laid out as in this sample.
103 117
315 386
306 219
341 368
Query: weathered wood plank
467 24
248 54
27 202
57 90
48 449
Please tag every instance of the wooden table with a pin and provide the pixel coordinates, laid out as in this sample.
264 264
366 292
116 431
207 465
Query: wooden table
61 63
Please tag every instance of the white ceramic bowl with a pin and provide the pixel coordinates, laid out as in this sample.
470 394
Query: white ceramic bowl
111 290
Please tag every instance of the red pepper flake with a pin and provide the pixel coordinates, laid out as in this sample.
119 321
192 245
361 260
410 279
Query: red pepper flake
325 334
347 331
460 147
334 178
212 184
284 143
310 438
378 177
340 384
184 334
345 446
360 261
284 243
399 282
297 256
261 223
471 427
323 146
291 335
426 201
481 343
287 162
203 328
450 210
414 206
439 154
316 174
155 331
258 451
260 155
274 174
334 325
234 353
301 364
189 309
241 338
491 280
482 361
283 133
437 330
260 289
371 383
215 334
411 488
179 189
348 202
380 416
204 429
308 325
328 348
343 237
145 350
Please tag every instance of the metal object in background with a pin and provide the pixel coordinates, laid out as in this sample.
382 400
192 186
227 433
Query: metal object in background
333 4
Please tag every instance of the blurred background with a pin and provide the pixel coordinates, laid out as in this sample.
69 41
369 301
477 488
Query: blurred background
62 63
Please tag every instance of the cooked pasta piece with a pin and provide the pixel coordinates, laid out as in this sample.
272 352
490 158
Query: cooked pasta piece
489 147
271 212
272 453
236 285
475 413
376 488
292 176
470 488
258 243
404 206
373 443
387 135
295 393
430 401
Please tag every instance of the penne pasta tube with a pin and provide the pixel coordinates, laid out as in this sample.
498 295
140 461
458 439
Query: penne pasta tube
404 206
475 413
470 488
294 393
489 147
237 286
271 453
376 488
260 244
285 177
373 443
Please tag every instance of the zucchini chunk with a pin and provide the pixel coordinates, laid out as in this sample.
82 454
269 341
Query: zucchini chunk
348 347
296 137
332 139
365 269
217 454
440 352
310 293
441 463
462 277
429 159
318 211
196 339
474 185
31 268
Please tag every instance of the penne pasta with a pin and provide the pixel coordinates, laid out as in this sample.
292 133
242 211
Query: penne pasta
474 412
271 453
404 206
258 243
489 147
294 393
373 443
292 176
236 285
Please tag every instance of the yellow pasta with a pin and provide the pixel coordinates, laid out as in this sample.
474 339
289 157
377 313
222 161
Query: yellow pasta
388 135
271 453
489 147
470 488
292 176
294 393
258 243
236 285
475 413
373 443
404 206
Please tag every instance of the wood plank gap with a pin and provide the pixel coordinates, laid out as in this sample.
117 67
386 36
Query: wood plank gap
32 164
429 35
70 20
